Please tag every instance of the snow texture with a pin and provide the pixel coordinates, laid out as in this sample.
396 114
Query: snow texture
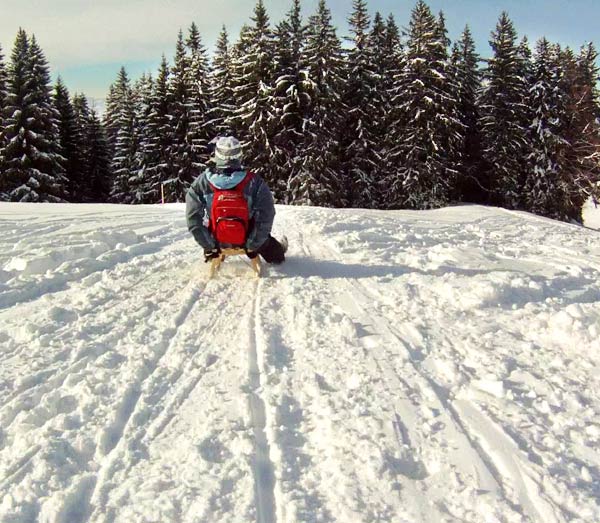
591 215
432 366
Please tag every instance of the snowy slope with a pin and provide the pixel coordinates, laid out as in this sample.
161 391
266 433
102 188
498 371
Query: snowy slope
591 215
438 366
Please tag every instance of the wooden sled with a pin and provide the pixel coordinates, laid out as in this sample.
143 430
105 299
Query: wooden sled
215 264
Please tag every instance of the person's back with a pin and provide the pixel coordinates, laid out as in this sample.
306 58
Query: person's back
215 208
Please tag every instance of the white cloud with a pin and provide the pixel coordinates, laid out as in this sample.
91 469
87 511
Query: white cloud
86 41
87 32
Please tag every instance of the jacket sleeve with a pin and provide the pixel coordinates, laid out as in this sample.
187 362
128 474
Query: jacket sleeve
195 211
263 209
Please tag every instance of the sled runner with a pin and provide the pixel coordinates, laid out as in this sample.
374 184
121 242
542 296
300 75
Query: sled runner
215 264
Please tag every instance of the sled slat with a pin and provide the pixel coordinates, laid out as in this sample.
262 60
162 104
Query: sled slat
215 264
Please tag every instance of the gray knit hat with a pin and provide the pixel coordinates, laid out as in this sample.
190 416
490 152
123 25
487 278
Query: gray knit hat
228 153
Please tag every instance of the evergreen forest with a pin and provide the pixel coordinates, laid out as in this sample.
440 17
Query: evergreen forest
382 117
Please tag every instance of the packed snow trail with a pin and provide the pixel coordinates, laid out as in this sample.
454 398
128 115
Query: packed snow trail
434 366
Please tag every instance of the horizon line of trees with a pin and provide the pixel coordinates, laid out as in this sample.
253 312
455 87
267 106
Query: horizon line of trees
392 120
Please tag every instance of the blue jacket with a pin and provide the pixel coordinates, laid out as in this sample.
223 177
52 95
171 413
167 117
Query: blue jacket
199 202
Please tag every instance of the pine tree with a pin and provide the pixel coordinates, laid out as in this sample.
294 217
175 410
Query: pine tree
543 192
71 143
527 115
47 158
160 133
123 160
237 53
467 78
82 115
319 182
33 170
427 128
504 137
393 44
221 95
98 161
359 151
290 102
526 56
181 152
579 161
3 80
142 106
3 96
386 49
110 118
253 116
199 103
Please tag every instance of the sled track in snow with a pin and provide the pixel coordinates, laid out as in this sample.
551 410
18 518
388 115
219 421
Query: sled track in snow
122 429
264 476
531 503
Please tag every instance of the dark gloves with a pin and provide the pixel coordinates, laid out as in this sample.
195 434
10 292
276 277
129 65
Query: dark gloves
211 254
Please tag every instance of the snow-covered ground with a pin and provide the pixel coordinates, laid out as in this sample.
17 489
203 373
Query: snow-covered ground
402 367
591 215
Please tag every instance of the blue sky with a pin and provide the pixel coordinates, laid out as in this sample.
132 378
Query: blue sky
86 41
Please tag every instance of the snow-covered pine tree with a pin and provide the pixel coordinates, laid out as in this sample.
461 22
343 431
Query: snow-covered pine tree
502 113
33 171
579 160
71 143
388 59
467 78
441 32
290 100
237 54
427 130
12 172
527 59
393 43
3 95
589 146
82 115
543 192
253 92
3 80
319 182
142 107
46 154
110 118
359 159
527 73
450 123
221 95
98 161
377 47
200 129
159 132
123 160
180 152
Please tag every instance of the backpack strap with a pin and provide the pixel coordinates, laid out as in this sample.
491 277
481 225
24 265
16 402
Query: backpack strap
239 188
242 185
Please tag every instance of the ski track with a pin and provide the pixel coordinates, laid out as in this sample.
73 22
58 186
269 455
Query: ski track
162 421
516 483
125 430
418 380
264 479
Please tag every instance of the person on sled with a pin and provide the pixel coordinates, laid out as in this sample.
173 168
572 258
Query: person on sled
228 206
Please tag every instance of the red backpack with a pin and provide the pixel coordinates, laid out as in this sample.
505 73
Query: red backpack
229 215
